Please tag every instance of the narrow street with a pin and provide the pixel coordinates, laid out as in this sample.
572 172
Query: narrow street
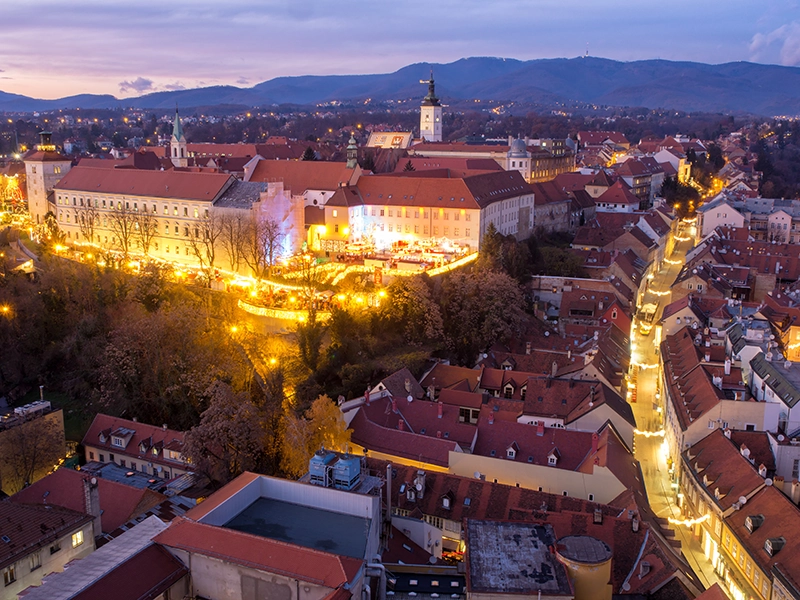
648 410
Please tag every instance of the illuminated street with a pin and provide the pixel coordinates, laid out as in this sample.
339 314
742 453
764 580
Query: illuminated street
648 414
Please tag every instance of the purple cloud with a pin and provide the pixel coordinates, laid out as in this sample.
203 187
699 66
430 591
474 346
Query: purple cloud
139 85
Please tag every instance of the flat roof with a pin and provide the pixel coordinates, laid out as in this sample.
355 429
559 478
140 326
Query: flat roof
337 533
513 558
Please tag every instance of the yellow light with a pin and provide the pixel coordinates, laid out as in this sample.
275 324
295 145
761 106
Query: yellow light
5 309
341 297
322 230
688 522
659 433
90 256
254 294
359 299
346 231
382 293
273 360
60 248
234 329
301 318
292 299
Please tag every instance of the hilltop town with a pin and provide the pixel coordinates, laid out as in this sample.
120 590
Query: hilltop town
398 362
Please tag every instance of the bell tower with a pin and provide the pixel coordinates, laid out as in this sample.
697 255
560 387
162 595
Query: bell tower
352 152
430 115
177 144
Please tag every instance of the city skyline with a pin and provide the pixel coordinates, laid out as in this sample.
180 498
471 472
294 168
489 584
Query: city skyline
48 51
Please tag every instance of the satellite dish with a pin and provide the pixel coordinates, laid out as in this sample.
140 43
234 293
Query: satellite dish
419 487
93 481
477 474
781 437
768 481
410 398
742 500
546 334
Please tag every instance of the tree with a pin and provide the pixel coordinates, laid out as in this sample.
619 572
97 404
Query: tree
491 247
309 154
230 437
409 166
31 449
322 426
52 230
309 340
146 228
87 220
368 164
234 231
204 240
479 309
122 223
261 245
410 308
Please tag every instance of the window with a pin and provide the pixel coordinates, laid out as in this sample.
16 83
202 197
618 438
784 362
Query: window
185 211
91 455
335 213
122 462
101 458
466 232
699 287
35 561
765 588
117 441
564 493
467 217
551 460
175 210
55 547
511 453
110 457
591 497
10 574
796 468
445 502
77 539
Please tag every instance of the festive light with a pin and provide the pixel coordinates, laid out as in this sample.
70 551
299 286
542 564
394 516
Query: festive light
647 434
688 522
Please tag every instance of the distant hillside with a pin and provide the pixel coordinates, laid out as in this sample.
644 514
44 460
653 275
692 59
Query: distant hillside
732 87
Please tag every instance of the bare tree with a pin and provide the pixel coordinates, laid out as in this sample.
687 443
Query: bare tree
146 228
234 231
87 218
30 448
261 246
204 239
122 223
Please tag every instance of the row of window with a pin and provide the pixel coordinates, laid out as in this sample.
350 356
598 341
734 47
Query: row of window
132 464
103 203
406 213
35 559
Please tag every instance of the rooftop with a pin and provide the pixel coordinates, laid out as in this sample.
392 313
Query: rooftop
304 526
513 558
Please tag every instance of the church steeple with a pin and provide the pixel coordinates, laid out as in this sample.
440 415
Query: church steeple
352 152
177 144
430 114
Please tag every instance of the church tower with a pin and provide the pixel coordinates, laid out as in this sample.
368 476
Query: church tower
177 145
430 115
44 168
352 152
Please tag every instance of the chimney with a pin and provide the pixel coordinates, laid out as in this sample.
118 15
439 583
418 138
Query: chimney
762 470
745 451
388 514
779 482
707 357
635 524
419 483
366 396
400 425
540 428
41 392
527 347
407 385
727 366
164 427
91 500
441 409
795 492
394 406
595 442
554 369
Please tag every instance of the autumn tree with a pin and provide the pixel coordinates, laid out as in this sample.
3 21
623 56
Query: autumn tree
52 230
145 228
122 223
322 425
205 236
230 437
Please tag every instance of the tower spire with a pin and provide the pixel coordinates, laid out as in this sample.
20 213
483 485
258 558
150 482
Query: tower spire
177 128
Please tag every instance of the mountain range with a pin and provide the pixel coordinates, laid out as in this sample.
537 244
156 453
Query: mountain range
738 87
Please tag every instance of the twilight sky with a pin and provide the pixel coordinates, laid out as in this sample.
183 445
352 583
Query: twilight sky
52 48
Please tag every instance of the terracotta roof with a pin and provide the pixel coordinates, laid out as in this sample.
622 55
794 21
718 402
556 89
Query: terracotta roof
118 503
260 553
401 549
404 444
571 182
715 592
31 526
142 439
396 384
303 175
456 166
719 467
781 519
619 193
476 191
181 185
461 398
144 576
447 376
757 442
39 156
548 193
594 138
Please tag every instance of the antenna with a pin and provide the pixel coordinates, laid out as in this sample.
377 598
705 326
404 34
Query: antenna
587 50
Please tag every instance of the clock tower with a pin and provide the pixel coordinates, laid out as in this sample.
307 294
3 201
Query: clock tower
430 115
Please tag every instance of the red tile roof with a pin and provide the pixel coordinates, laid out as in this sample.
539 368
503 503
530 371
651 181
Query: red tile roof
303 175
595 138
182 185
144 576
142 440
619 193
260 553
31 526
119 503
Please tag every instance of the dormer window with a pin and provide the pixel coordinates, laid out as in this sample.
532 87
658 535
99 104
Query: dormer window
773 545
511 453
446 502
102 438
753 522
552 460
508 390
142 447
155 451
117 441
